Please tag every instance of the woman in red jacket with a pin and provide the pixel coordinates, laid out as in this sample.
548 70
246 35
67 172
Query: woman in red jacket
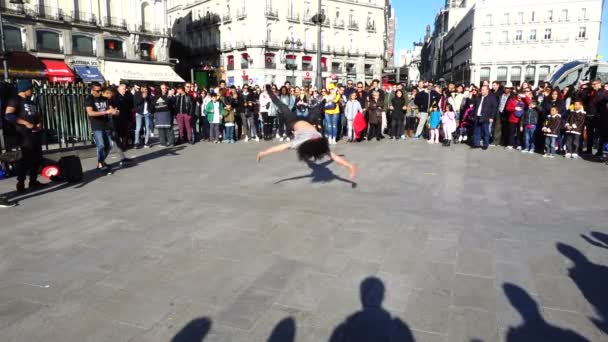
516 106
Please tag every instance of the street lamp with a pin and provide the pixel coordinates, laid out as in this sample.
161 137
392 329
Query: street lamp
319 19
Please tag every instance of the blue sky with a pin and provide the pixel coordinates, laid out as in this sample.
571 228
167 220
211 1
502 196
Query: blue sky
412 18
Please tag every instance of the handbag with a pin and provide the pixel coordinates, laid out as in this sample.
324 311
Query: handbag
330 105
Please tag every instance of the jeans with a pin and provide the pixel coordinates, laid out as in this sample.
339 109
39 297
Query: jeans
331 125
142 121
251 128
342 125
529 138
423 117
214 131
165 135
550 145
228 133
396 127
481 129
104 142
203 124
572 143
184 123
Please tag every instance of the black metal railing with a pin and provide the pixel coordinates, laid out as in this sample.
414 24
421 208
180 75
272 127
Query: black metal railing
272 44
340 50
14 10
113 22
227 47
114 54
84 18
293 17
310 47
353 26
86 53
244 65
291 66
369 71
241 14
339 23
271 13
226 18
49 49
371 28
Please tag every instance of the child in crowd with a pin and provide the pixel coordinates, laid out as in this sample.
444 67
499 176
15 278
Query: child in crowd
574 129
434 123
353 106
465 124
229 119
214 111
551 130
448 122
528 126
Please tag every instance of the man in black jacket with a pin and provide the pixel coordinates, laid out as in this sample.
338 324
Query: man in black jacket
425 98
484 114
124 103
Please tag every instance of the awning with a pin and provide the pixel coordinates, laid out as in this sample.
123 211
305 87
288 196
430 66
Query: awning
58 71
306 58
89 73
116 71
23 65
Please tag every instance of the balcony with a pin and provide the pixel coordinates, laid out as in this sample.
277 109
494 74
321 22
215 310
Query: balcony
244 66
371 28
155 30
12 10
85 53
227 47
241 45
84 18
293 17
291 66
270 65
339 23
353 26
308 21
323 68
203 22
352 52
272 45
227 18
325 22
310 47
340 51
307 66
115 23
326 49
271 13
48 49
241 14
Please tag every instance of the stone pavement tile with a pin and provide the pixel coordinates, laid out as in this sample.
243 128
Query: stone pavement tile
335 305
401 260
466 324
425 336
546 261
434 276
515 273
561 293
476 239
475 262
509 250
579 323
327 260
443 251
474 292
305 289
278 274
355 272
15 310
247 308
428 310
398 288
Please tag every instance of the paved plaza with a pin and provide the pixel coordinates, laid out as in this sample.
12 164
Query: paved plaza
201 243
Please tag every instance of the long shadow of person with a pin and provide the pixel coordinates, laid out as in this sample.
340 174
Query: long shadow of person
284 331
534 327
592 281
597 239
195 331
373 323
320 174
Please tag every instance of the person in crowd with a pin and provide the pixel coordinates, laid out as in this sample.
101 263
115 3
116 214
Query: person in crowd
141 101
162 109
124 103
374 109
515 108
448 123
434 122
528 126
203 99
501 132
100 115
553 99
229 117
465 125
248 115
551 130
264 106
289 101
353 106
302 105
214 111
425 97
309 143
411 115
574 129
184 108
332 113
342 124
483 113
397 108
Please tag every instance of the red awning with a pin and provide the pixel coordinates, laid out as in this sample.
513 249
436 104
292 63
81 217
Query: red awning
244 55
307 58
291 57
269 54
58 71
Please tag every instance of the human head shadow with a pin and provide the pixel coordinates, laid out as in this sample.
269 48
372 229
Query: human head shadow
597 239
195 331
320 174
88 177
372 323
534 326
284 331
591 279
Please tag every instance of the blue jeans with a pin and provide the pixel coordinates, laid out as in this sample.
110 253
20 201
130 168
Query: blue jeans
104 141
529 138
331 125
481 128
228 133
142 121
550 145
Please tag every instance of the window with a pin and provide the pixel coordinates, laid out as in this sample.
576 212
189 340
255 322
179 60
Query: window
583 14
82 45
532 35
519 35
520 18
146 52
549 17
515 75
502 74
484 74
564 16
113 48
244 61
13 38
48 41
488 21
505 19
547 34
504 38
582 32
532 17
530 73
543 72
487 38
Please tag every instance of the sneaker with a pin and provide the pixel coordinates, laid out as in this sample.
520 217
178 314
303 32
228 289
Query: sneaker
146 146
281 139
509 147
519 148
151 135
551 156
403 137
105 170
574 156
257 139
524 151
465 138
216 142
20 186
278 137
287 139
4 203
246 138
127 161
568 155
545 155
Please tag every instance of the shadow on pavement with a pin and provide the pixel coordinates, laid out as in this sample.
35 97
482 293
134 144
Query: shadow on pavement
597 239
372 323
592 280
195 331
284 331
534 327
88 177
320 174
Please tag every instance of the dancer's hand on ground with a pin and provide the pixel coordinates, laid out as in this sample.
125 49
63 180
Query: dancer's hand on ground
259 156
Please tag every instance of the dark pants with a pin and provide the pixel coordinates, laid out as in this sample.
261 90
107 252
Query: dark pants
572 142
121 126
267 126
184 124
166 136
410 123
513 135
375 131
31 156
203 124
481 129
591 124
396 127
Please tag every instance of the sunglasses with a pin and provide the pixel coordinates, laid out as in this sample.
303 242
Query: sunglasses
96 90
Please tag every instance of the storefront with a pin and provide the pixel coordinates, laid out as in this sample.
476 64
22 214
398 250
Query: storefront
115 72
86 68
23 65
58 71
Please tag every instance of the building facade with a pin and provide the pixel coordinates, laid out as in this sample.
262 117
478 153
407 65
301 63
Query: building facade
262 41
116 36
517 41
390 36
